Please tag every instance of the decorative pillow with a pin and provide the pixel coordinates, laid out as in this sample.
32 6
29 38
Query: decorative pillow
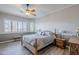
48 33
45 33
38 33
41 33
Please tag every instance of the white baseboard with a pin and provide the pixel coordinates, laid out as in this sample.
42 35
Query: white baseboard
7 41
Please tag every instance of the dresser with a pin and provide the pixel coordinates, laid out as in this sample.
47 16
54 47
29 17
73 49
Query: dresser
74 46
59 42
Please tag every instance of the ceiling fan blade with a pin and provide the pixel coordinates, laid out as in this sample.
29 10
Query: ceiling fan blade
33 10
33 14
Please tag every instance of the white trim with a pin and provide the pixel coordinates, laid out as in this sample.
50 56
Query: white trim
7 41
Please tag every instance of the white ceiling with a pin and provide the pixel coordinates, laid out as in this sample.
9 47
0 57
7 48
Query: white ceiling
41 9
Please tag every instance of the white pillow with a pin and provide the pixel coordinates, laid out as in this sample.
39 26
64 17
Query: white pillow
48 33
38 33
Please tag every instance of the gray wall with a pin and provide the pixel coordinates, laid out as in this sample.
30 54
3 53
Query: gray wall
66 19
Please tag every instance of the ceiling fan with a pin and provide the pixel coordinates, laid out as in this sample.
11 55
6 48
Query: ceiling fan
28 11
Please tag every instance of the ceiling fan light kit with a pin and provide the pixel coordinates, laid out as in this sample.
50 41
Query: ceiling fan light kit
29 11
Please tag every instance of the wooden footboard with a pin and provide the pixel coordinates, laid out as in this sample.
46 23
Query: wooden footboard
36 51
36 48
30 47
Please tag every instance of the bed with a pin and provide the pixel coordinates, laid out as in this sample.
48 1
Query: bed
36 42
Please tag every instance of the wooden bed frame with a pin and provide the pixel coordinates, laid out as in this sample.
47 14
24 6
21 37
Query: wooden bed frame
34 50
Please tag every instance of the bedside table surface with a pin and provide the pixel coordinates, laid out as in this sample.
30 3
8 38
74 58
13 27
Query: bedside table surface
60 38
74 40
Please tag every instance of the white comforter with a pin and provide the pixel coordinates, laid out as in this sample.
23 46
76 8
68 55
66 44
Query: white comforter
41 40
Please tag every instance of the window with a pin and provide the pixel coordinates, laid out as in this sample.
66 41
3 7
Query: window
14 26
24 26
32 27
18 26
7 26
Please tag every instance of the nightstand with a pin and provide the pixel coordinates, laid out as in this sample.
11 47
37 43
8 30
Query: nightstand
59 42
74 46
